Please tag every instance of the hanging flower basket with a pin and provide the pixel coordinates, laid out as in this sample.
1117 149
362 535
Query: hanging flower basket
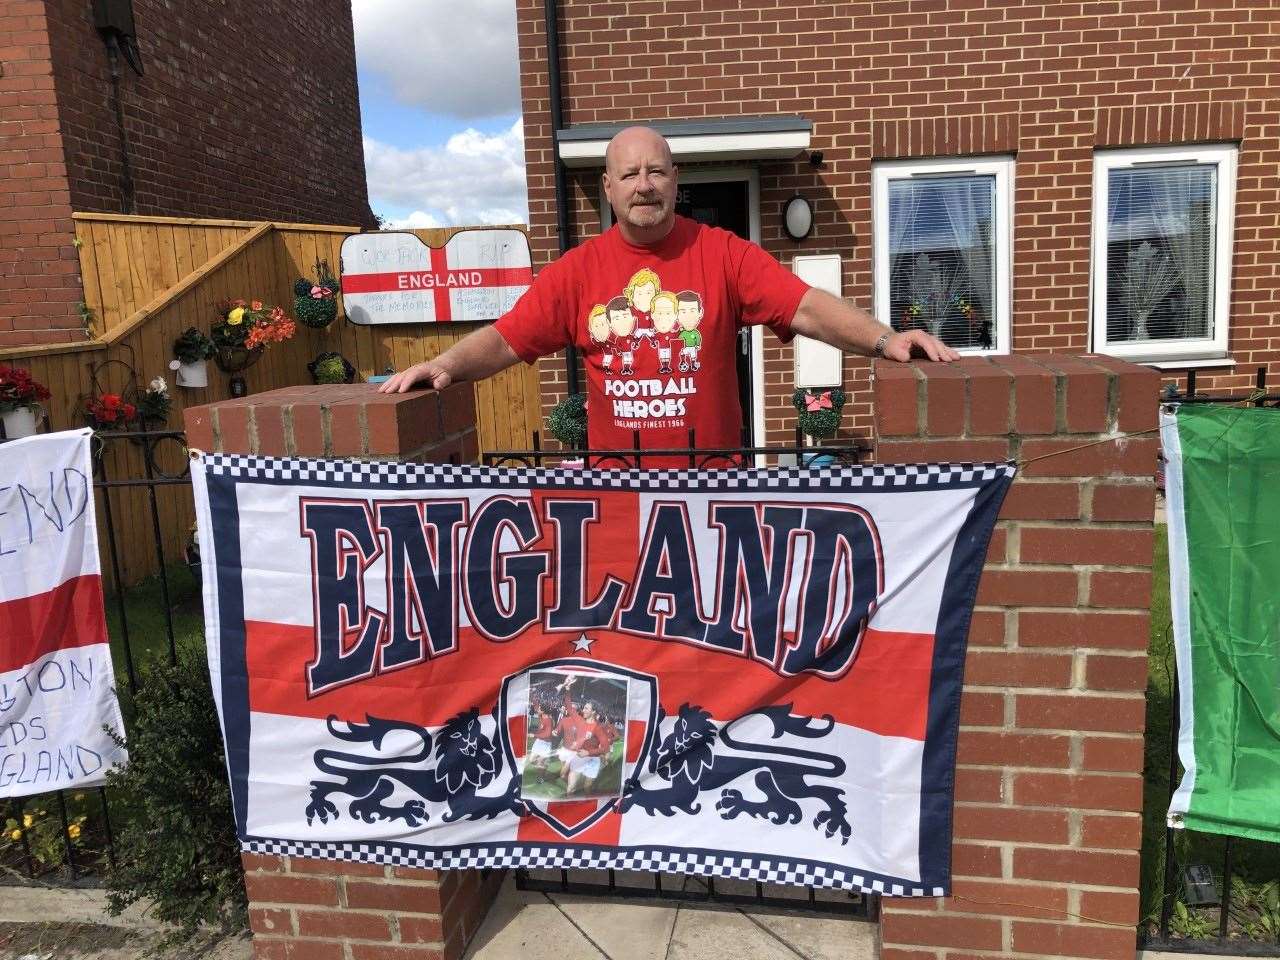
819 411
316 304
233 359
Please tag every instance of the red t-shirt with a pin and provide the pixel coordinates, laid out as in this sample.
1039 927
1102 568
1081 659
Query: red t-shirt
718 283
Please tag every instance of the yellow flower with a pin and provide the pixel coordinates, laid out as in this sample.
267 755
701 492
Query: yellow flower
236 316
74 831
28 820
16 835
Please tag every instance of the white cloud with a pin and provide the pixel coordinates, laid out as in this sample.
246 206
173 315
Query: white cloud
418 220
457 59
474 178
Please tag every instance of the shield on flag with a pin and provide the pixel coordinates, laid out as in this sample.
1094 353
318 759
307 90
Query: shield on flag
577 732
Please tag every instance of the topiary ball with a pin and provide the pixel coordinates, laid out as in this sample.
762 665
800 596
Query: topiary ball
567 421
819 411
313 312
331 368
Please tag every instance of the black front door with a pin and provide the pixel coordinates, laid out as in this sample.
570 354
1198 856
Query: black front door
726 204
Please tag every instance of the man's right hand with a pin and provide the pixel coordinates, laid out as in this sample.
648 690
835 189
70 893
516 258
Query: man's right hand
429 373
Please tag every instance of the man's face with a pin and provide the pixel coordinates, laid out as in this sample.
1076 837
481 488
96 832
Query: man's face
690 315
589 712
640 179
622 322
598 327
642 297
664 316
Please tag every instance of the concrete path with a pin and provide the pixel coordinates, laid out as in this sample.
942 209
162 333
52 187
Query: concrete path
524 925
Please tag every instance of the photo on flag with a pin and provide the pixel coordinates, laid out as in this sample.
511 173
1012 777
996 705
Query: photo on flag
590 723
743 674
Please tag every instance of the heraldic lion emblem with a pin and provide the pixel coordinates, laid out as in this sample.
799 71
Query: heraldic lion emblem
690 763
466 761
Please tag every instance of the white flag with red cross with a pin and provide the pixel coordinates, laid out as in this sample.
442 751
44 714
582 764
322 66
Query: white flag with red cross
478 275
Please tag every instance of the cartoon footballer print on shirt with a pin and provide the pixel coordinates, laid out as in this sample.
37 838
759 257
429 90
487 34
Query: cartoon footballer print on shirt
646 318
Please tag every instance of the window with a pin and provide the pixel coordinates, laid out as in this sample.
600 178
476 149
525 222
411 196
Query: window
942 240
1162 228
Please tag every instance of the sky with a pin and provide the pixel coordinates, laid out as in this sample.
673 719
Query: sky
440 107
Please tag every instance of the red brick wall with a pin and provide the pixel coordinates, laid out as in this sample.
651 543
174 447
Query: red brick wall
39 269
1049 82
247 110
1048 789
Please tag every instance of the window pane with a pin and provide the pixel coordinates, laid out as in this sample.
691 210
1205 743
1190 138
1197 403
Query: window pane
942 258
1160 243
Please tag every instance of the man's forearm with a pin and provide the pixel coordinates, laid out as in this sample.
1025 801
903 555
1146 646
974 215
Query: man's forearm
834 321
479 354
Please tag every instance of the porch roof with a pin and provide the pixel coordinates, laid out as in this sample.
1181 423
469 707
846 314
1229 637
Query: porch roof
695 141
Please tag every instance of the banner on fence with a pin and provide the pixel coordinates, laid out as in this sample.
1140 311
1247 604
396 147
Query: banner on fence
390 277
57 688
1221 464
749 674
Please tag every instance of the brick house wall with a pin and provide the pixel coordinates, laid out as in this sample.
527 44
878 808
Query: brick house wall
245 111
1048 83
39 269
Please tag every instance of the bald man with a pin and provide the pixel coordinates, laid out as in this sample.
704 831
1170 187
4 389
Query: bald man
736 282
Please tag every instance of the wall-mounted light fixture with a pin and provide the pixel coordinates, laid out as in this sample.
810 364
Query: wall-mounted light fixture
797 218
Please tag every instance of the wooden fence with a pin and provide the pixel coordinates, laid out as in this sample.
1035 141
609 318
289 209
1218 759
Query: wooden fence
146 279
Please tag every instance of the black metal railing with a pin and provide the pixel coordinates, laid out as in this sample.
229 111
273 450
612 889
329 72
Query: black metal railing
692 457
80 861
1218 890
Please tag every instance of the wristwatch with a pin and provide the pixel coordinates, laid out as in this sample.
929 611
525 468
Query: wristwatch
882 343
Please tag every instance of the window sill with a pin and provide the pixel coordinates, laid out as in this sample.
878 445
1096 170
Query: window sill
1218 363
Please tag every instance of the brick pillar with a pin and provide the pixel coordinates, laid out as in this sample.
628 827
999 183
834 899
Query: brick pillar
304 909
341 420
1049 763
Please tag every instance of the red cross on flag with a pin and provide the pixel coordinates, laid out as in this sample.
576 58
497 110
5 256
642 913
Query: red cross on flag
396 278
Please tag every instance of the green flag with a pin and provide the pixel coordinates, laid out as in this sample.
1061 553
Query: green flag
1222 477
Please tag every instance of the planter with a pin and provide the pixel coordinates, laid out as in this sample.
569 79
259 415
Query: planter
237 359
193 375
19 422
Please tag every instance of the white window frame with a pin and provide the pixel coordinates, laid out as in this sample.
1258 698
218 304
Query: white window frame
1224 156
1002 221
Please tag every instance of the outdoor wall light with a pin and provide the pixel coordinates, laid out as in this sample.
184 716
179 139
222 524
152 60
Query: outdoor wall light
797 218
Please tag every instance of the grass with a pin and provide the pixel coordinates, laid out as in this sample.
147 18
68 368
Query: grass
1254 860
145 617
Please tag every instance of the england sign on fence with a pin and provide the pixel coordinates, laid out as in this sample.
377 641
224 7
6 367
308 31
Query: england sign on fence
57 689
396 278
750 674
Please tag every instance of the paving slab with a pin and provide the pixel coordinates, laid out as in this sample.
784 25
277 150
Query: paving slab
624 929
523 925
705 934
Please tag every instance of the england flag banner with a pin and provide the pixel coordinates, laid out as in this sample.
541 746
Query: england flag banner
390 277
57 689
752 674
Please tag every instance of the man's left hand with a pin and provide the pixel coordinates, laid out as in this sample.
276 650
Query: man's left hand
916 343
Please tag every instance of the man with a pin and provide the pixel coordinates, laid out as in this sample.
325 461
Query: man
540 752
588 746
736 282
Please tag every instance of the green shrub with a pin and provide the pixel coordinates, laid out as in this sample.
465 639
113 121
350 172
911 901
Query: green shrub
178 847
